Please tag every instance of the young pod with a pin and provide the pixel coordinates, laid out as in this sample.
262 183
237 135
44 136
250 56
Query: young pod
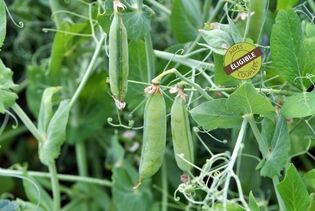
118 60
154 134
181 133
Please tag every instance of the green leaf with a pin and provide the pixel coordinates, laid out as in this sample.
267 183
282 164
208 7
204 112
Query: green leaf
7 96
278 151
293 191
36 193
125 197
287 49
246 100
138 23
46 108
115 153
312 204
217 39
214 114
259 8
286 4
3 21
220 77
309 178
182 25
252 203
138 72
56 134
299 105
6 205
63 47
91 110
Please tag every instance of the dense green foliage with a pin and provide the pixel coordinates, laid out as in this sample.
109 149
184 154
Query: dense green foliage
185 136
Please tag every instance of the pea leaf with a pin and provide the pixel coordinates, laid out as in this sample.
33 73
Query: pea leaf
220 77
6 205
63 46
287 49
309 178
138 23
293 191
7 88
293 104
36 193
56 134
312 204
246 100
278 150
125 197
252 203
286 4
214 114
259 8
183 26
46 108
3 21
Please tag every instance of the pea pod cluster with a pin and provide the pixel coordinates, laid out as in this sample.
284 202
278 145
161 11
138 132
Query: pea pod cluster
118 60
181 133
154 134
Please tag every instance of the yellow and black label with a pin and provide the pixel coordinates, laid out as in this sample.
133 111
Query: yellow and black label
243 61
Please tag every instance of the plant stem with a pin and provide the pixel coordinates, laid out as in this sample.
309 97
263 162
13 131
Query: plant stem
63 177
149 56
55 186
249 17
81 158
233 158
164 188
27 122
88 72
54 5
183 60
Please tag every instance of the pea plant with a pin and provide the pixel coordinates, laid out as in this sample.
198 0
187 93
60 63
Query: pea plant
125 105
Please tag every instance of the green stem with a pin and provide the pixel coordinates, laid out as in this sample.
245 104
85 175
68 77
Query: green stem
149 56
88 72
54 5
63 177
81 158
164 188
27 122
55 186
249 17
183 60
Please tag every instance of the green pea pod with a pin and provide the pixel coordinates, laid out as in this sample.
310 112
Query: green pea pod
181 134
118 60
154 136
259 9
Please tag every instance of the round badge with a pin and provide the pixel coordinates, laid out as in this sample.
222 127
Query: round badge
242 61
